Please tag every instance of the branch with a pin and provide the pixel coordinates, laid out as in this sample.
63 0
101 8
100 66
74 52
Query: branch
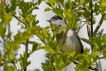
99 24
90 67
19 19
98 65
80 27
84 39
59 4
15 64
102 57
88 28
4 2
26 54
91 19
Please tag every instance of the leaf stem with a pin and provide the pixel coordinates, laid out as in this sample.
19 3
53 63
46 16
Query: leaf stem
26 54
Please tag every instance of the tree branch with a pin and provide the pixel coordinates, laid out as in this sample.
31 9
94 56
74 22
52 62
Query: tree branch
99 24
19 19
84 39
91 20
88 28
80 27
98 65
4 2
26 54
15 64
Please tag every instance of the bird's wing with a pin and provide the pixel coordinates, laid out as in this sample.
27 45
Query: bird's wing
79 41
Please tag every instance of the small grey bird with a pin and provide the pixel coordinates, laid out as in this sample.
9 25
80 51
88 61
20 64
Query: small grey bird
71 39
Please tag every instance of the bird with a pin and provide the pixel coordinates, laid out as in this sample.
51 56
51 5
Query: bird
69 36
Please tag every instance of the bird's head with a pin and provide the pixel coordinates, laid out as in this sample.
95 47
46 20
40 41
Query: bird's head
57 20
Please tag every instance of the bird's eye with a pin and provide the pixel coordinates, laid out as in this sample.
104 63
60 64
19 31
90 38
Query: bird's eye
52 19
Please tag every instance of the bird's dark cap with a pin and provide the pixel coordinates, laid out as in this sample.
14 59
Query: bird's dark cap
55 17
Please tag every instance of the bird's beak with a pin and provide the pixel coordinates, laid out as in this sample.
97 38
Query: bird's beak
48 20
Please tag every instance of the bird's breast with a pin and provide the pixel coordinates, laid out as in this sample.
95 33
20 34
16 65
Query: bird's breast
71 42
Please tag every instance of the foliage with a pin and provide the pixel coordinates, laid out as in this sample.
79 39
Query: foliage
71 11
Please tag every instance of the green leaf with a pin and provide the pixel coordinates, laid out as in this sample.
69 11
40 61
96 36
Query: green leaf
58 11
47 9
26 8
70 15
86 14
8 68
8 18
85 1
97 8
102 4
52 2
34 47
49 4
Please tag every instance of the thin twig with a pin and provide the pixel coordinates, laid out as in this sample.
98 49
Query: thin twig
102 57
80 27
9 32
88 28
84 39
59 5
90 67
91 19
99 24
15 64
4 2
98 65
19 19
